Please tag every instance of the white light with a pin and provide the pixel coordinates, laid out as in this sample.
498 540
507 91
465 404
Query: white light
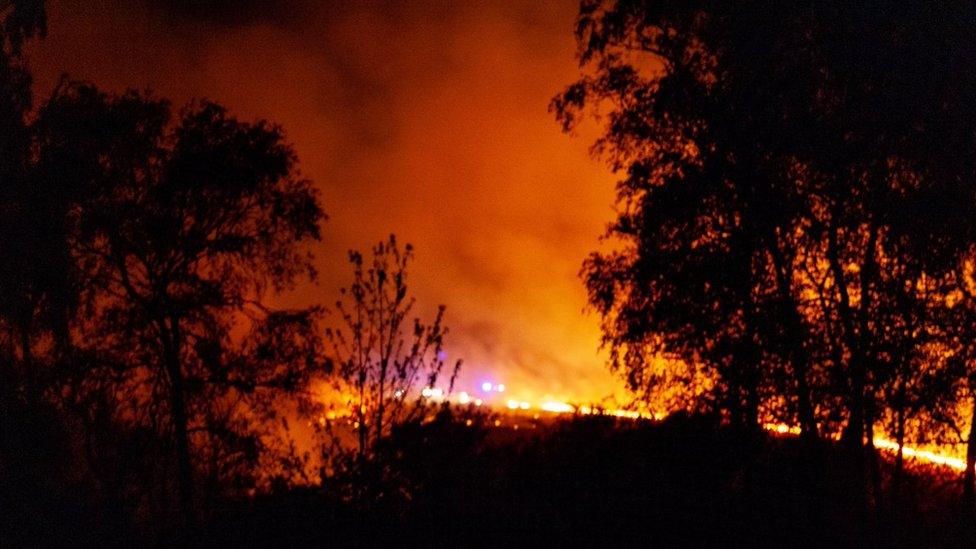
500 387
556 407
524 405
426 392
486 386
477 402
513 404
464 398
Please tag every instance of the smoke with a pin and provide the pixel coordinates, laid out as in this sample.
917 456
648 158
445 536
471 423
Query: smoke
428 120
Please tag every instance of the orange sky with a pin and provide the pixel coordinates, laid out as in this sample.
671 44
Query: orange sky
429 122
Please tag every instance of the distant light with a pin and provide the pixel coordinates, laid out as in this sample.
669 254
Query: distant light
500 387
524 405
477 402
513 404
556 407
486 386
398 393
426 392
442 355
464 398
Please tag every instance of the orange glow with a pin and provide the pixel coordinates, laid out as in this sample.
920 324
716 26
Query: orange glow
430 122
925 456
931 457
556 407
433 126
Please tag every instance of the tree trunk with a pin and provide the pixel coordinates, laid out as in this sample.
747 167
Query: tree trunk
969 488
799 358
853 435
854 431
177 402
381 400
750 377
872 457
749 396
361 416
900 457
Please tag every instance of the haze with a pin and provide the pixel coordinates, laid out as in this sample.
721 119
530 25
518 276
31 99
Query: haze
430 123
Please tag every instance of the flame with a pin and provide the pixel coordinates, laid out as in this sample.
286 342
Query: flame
564 408
924 456
557 407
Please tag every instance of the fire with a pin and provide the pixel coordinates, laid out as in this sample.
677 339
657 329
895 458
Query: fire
557 407
924 456
564 408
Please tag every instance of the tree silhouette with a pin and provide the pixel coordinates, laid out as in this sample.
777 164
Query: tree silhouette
709 230
192 221
798 191
387 365
33 259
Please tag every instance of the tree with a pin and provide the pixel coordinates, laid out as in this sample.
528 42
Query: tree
190 223
135 250
791 214
708 230
387 365
33 260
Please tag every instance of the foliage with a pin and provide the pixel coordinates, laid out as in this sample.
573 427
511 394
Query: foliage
139 246
796 204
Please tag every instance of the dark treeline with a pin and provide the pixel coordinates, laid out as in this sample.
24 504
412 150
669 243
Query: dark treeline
796 216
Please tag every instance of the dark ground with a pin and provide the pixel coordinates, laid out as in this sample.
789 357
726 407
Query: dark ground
584 481
591 481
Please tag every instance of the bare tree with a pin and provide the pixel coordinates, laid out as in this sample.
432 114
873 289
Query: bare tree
387 365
